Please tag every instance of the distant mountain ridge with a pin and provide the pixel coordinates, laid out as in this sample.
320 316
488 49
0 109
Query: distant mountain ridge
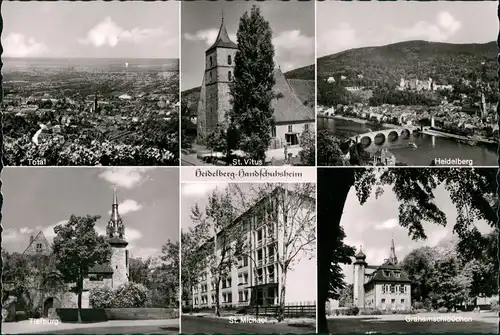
420 59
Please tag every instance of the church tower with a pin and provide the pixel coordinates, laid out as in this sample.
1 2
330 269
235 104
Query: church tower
115 232
359 279
219 71
392 258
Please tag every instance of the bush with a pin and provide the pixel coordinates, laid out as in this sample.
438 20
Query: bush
353 311
101 297
55 152
21 316
443 310
418 305
494 305
130 295
371 312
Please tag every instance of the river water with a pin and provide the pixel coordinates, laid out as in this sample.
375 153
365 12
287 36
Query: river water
429 147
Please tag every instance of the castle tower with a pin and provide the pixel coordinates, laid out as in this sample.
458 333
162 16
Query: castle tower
115 232
359 279
392 258
219 70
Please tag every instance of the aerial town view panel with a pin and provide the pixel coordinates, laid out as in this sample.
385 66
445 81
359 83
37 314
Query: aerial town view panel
414 85
243 102
91 83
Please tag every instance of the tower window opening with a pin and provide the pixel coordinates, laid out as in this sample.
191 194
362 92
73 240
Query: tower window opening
229 60
211 61
229 77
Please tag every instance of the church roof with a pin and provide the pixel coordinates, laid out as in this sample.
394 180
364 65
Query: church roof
287 106
222 40
304 90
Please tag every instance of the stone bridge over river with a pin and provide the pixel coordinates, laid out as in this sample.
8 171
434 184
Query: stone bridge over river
385 136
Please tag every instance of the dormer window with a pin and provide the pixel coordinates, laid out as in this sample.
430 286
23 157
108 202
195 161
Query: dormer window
229 60
386 273
397 274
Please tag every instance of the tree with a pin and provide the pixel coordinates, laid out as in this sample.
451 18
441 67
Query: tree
225 246
139 270
288 212
474 189
166 274
252 88
78 248
419 265
308 153
188 128
329 152
346 296
449 287
194 258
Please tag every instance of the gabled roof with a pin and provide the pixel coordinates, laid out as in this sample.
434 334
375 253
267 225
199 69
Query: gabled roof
304 90
287 106
379 275
39 235
222 40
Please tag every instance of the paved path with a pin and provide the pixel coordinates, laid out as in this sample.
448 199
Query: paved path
225 325
481 323
109 327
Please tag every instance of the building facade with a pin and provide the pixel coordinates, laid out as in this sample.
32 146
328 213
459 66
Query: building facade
293 106
255 279
383 287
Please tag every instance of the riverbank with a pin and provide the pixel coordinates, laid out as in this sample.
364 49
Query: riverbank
360 121
425 130
434 132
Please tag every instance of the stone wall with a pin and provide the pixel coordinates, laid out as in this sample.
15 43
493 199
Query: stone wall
119 266
142 313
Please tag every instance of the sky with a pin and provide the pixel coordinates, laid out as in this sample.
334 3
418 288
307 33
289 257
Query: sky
374 224
347 25
96 29
292 25
37 199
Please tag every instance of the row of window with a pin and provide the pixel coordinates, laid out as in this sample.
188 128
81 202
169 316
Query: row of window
388 273
383 301
394 289
243 296
229 61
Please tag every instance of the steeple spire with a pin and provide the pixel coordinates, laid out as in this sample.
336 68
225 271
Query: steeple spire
393 259
115 226
222 40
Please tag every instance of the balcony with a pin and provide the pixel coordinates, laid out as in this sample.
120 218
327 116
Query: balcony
260 263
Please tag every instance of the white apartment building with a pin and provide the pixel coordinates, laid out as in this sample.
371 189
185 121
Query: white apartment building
255 278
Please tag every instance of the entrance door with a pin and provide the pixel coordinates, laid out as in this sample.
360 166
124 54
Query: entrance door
48 304
292 139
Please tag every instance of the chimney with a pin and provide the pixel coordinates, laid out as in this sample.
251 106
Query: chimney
31 238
